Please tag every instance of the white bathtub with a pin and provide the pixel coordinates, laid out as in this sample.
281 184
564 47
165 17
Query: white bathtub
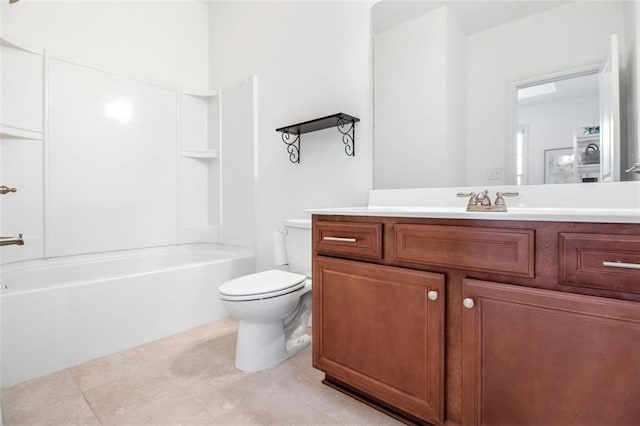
63 311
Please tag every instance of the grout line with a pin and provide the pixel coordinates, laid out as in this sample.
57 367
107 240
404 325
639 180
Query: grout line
95 415
75 380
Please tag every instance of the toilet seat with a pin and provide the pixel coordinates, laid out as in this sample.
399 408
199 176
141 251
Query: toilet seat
261 285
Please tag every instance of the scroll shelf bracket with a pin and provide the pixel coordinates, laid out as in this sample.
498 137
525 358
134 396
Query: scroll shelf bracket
293 147
348 131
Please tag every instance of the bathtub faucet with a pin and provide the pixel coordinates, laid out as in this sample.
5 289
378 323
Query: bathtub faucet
12 241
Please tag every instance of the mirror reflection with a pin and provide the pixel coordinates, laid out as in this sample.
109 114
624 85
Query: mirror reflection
490 93
559 128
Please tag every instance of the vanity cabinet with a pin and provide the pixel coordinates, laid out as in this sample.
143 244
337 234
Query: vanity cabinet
380 330
543 357
532 323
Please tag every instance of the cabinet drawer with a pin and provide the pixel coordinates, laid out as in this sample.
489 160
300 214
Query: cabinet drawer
604 261
497 250
347 238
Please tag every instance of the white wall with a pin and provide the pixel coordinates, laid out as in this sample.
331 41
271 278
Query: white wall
456 103
165 42
559 39
551 125
238 165
311 59
111 179
157 41
419 102
410 72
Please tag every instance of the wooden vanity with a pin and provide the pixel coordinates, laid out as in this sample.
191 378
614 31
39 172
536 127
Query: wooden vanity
480 322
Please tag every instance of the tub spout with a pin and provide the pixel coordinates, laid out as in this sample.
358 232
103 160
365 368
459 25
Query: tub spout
12 241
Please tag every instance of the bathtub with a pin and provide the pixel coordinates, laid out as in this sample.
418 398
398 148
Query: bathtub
62 311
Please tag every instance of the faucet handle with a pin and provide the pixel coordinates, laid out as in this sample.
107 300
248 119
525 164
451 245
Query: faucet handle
500 195
5 189
471 195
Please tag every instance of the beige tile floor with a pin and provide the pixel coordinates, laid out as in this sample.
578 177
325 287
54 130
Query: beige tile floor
185 379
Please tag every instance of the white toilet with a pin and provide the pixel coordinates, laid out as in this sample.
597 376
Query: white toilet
273 307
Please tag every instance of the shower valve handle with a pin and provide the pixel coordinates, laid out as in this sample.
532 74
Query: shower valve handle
5 189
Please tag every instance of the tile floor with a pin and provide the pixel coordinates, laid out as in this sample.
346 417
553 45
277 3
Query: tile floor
185 379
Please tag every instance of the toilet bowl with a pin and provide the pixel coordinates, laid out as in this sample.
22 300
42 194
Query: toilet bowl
273 307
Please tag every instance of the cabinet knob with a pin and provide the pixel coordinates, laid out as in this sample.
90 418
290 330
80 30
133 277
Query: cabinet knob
432 295
468 303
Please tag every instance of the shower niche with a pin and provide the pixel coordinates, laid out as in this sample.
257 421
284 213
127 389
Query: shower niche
217 164
199 166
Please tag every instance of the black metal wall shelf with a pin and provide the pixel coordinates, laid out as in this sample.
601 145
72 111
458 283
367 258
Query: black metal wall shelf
345 123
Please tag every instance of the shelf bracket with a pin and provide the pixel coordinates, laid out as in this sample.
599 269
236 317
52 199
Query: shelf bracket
348 130
345 123
293 147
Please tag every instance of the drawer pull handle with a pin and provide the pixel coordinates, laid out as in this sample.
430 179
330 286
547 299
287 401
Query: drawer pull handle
468 303
340 239
432 295
621 265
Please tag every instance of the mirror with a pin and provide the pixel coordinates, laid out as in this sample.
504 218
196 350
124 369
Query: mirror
559 128
487 93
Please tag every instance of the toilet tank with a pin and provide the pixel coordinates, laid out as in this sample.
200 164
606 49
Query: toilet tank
298 244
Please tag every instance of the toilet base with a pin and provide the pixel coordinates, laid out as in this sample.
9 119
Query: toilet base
262 345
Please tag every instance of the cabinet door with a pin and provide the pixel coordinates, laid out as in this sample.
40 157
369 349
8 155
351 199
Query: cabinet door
539 357
377 329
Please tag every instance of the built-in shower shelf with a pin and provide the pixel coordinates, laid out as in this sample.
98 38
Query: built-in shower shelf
345 123
201 154
8 43
14 132
202 93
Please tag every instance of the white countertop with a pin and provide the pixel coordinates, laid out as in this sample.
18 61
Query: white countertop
622 215
617 202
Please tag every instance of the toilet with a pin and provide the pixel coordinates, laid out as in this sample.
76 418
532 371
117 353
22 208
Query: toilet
273 307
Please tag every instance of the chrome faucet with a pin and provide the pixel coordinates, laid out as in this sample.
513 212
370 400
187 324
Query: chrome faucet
12 241
480 201
483 198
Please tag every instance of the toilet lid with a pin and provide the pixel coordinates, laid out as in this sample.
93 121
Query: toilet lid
262 283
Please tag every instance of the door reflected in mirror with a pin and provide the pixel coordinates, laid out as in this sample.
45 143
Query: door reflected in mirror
551 116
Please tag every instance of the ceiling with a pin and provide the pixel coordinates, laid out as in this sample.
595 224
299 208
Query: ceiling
473 16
